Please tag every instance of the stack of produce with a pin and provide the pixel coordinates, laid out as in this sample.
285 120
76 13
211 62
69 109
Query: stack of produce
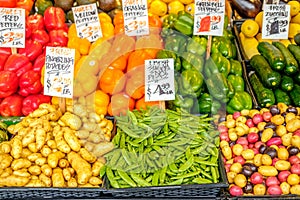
261 150
164 7
276 77
21 90
52 149
157 147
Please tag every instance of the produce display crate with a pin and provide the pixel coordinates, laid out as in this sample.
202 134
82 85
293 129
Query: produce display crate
236 30
178 191
247 70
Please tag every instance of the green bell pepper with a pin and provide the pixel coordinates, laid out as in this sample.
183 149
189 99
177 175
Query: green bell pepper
218 87
231 90
205 103
210 68
183 102
192 61
216 105
42 5
222 63
222 45
168 21
175 43
197 45
192 82
162 54
241 100
184 23
237 82
236 67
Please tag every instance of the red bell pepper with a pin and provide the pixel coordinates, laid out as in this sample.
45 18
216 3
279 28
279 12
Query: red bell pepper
18 63
8 3
3 59
32 49
59 37
11 106
27 32
9 83
30 83
40 36
5 50
39 63
32 102
35 22
54 18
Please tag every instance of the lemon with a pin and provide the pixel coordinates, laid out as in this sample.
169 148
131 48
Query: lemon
293 29
167 1
259 38
294 7
259 19
296 19
186 1
158 7
250 28
190 8
286 42
175 6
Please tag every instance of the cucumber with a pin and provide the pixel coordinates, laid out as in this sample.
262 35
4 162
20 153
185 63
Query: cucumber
291 66
296 77
272 54
269 77
287 83
282 97
295 50
295 95
265 96
297 38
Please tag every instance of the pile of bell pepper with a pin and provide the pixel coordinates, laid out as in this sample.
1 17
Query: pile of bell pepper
21 90
203 86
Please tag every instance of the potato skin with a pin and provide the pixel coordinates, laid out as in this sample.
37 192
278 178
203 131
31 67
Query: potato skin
81 167
14 181
6 160
57 178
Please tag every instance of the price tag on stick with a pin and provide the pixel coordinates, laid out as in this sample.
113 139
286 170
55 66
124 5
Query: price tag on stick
87 22
276 21
59 72
209 17
12 27
159 80
136 21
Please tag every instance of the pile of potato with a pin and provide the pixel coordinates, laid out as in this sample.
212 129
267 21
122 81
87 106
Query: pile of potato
47 149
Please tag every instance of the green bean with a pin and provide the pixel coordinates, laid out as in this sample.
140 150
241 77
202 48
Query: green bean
149 178
162 175
111 178
155 178
123 141
201 180
128 131
206 174
214 174
126 178
115 157
191 174
196 159
139 180
176 182
126 157
132 117
187 164
150 140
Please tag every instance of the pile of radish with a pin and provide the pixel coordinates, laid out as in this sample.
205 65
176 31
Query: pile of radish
261 150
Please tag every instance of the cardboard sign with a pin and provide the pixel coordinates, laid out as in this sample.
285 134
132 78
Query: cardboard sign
59 72
209 17
159 80
269 2
276 22
12 27
135 17
87 22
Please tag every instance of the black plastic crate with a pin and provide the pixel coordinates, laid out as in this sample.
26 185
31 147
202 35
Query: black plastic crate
212 190
50 193
247 70
236 30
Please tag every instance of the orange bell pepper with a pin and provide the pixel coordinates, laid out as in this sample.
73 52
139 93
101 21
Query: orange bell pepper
135 84
155 23
99 100
26 4
112 80
141 104
8 3
119 104
137 59
118 18
151 44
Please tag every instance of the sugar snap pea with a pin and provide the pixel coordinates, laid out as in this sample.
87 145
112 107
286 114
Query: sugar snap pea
126 178
187 164
139 180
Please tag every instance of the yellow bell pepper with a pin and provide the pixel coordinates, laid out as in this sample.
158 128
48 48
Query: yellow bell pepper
100 101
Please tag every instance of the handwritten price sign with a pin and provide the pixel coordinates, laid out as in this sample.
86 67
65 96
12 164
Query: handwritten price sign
135 17
12 27
209 17
87 22
59 72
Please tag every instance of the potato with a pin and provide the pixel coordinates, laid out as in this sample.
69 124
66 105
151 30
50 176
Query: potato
34 177
88 185
281 130
82 134
15 128
6 172
57 178
35 183
295 189
20 163
45 151
88 156
95 138
53 158
89 146
72 183
62 145
96 168
103 148
35 170
32 147
50 107
72 140
22 172
46 126
16 150
47 170
54 116
14 181
81 167
5 147
63 163
71 170
39 112
28 138
267 171
292 125
40 161
40 138
71 120
95 181
32 157
67 174
52 144
37 123
6 160
46 180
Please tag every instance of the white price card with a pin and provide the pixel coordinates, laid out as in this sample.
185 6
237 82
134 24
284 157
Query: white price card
209 17
136 21
268 2
276 21
159 80
59 72
87 22
12 27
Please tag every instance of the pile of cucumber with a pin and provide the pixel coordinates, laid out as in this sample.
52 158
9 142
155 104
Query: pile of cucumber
277 75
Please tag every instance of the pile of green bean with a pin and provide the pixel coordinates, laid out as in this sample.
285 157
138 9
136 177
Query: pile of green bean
157 147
